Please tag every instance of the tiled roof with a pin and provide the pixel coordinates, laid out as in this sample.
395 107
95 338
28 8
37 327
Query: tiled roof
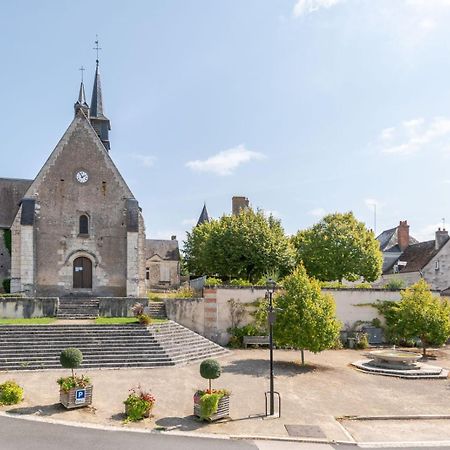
166 249
11 193
416 256
388 240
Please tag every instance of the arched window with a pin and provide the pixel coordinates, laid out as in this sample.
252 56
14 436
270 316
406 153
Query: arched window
84 224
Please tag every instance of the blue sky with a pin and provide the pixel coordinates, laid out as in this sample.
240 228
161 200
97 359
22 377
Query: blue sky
304 106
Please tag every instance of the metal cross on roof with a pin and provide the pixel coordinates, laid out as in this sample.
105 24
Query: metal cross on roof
96 48
82 69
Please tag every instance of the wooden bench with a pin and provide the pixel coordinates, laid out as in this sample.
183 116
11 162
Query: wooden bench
256 340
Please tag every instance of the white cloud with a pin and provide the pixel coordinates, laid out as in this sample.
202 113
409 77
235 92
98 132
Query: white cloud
414 135
427 233
317 212
225 162
145 160
303 7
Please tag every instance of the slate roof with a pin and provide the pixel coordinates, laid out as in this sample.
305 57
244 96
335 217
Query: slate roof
167 250
388 240
204 216
12 191
416 256
446 292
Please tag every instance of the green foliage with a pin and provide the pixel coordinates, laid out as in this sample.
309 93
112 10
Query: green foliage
389 310
7 239
239 282
6 284
246 245
68 383
339 247
209 404
395 284
306 317
10 393
363 285
71 358
144 319
138 404
238 333
210 369
422 315
212 281
362 342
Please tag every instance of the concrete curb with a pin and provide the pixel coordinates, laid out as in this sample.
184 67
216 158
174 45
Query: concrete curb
397 417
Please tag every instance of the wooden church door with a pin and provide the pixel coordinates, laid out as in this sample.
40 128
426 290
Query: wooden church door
82 273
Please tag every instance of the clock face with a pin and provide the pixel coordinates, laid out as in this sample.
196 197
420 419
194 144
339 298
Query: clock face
82 176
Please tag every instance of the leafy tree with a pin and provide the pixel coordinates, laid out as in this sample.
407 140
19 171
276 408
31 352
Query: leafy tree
306 317
339 247
423 315
246 245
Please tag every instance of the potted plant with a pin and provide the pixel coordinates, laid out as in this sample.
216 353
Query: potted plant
139 404
75 391
138 312
211 404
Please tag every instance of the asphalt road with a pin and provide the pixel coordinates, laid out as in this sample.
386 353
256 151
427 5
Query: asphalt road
18 434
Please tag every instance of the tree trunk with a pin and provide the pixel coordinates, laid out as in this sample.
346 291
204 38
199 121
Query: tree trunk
209 386
303 356
424 350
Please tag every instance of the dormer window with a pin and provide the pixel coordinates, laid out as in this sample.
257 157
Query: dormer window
84 224
436 265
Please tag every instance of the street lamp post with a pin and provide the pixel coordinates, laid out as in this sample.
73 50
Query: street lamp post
270 290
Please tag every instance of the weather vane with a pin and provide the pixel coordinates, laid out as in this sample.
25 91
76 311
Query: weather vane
96 48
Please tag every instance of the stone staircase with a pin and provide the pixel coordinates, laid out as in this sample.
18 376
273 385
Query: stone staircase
77 308
157 310
103 346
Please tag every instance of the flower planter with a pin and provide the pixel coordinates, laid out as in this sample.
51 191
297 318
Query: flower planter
223 408
146 415
77 397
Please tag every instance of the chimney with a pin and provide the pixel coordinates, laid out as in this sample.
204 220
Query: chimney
441 238
238 204
173 238
403 235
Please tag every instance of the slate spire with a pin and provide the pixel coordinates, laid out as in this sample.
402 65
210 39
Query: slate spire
98 119
204 216
81 102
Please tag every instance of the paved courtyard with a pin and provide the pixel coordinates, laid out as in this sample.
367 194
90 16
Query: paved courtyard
313 396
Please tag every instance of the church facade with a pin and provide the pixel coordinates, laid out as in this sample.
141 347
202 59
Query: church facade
76 229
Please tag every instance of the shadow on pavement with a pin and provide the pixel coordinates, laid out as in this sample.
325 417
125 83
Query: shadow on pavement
188 423
39 410
260 368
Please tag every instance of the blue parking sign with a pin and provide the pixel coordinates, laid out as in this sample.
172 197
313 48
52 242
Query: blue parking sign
80 396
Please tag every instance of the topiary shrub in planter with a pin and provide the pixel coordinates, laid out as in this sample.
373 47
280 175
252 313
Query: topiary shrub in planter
138 405
75 391
211 404
10 393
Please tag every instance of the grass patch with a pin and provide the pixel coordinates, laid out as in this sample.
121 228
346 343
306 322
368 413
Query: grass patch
34 321
122 320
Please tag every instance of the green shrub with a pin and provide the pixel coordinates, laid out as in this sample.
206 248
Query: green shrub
138 404
238 333
144 319
239 282
6 284
210 369
209 404
395 284
10 393
211 281
68 383
362 341
363 285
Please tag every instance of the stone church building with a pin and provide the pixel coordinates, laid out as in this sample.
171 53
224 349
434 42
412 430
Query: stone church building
76 229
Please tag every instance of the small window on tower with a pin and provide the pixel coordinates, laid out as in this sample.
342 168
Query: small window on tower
84 224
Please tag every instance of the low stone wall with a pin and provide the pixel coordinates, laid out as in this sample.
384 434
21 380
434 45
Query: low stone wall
212 315
119 306
26 308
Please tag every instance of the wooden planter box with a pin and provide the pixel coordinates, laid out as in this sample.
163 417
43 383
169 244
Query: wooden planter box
223 409
76 397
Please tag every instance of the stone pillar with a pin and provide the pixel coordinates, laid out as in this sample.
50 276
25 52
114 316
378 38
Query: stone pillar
211 314
132 264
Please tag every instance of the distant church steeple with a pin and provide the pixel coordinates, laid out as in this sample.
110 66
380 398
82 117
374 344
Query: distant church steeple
204 216
98 120
81 102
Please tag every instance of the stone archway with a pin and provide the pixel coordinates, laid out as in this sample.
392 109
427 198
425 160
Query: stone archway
82 273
